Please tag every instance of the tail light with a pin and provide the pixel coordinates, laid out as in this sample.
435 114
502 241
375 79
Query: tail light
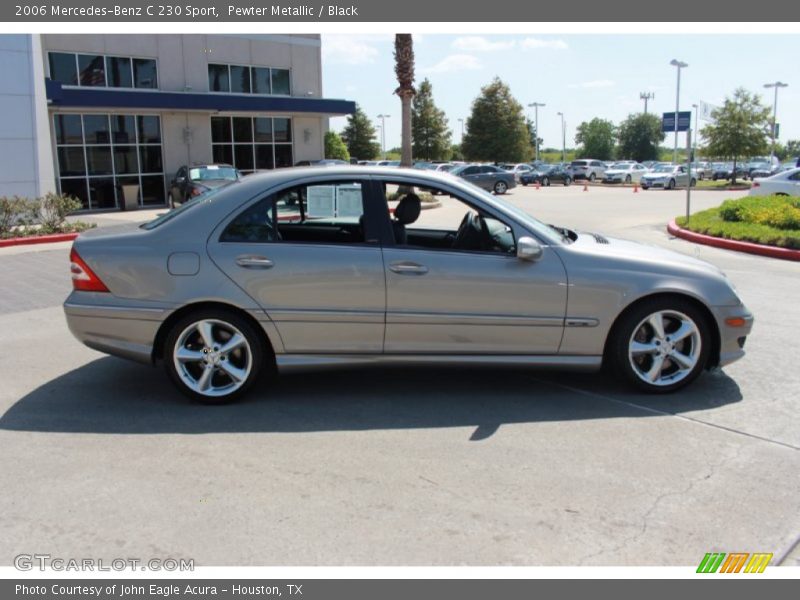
83 278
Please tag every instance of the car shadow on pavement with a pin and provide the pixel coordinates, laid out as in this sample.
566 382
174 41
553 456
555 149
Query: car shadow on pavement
110 395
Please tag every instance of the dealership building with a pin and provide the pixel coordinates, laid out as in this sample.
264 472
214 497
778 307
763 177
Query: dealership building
109 119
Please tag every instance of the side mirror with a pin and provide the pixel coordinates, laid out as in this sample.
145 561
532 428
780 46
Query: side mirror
529 249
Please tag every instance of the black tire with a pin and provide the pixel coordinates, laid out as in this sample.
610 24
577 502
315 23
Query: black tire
255 342
670 185
645 187
546 182
628 179
592 177
500 187
567 181
692 182
630 324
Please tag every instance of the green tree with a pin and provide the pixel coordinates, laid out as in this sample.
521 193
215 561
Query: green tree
496 128
740 128
596 139
429 127
792 148
359 135
639 136
335 146
404 69
532 134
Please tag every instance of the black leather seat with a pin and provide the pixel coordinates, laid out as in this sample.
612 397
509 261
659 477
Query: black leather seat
407 211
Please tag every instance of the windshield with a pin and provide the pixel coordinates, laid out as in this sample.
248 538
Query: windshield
188 205
663 169
621 166
212 172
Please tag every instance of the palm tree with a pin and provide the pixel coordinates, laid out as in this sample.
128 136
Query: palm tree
404 69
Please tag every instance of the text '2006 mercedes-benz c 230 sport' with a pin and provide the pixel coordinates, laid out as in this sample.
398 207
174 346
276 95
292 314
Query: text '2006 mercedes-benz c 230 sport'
313 267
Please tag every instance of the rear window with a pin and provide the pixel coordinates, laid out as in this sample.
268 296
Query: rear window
579 163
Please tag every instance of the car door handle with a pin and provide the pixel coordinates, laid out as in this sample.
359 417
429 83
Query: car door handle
250 261
408 268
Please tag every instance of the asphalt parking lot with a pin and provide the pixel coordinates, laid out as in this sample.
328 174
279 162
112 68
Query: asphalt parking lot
102 458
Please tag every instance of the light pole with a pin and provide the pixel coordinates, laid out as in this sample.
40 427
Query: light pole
462 129
776 85
679 65
696 127
646 96
383 118
536 106
563 139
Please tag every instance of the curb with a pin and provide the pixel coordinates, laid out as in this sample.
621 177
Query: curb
748 247
51 238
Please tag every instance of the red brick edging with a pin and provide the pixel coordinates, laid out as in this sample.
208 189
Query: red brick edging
748 247
38 239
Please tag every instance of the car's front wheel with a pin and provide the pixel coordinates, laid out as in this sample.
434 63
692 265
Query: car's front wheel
661 345
214 356
546 182
567 181
592 177
671 184
500 187
628 179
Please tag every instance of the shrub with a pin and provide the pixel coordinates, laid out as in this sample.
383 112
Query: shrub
53 210
23 216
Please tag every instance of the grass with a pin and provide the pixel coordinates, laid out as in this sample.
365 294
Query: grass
768 220
721 184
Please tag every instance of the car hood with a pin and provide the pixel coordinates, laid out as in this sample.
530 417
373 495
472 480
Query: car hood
648 257
658 175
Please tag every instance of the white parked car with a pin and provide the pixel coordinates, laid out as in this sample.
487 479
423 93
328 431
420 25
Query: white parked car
624 172
517 169
785 183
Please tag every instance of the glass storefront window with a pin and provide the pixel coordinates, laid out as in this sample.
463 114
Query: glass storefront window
117 150
218 78
261 81
145 73
118 70
237 79
63 68
92 70
280 82
252 143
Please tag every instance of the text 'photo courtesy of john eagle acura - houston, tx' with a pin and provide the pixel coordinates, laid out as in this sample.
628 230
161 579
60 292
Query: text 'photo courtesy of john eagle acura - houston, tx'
339 266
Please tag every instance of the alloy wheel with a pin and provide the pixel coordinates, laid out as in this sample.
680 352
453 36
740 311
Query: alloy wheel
665 348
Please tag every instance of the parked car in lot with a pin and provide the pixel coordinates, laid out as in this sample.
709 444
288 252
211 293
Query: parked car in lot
325 162
702 170
668 177
763 170
545 175
785 183
625 172
587 169
236 284
195 180
725 171
517 169
487 177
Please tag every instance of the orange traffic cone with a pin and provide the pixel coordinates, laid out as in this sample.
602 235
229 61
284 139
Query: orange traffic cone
585 187
635 188
537 184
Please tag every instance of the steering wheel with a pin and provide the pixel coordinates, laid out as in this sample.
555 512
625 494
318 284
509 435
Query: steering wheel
472 233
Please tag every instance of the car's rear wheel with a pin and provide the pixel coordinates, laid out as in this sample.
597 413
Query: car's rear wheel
546 182
567 181
592 177
500 187
661 344
671 184
214 356
628 179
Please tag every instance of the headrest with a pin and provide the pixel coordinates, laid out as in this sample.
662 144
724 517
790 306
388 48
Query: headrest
408 209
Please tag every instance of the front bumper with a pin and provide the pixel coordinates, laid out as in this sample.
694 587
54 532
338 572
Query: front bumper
653 182
732 339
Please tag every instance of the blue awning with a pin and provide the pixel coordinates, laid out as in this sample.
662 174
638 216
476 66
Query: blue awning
93 97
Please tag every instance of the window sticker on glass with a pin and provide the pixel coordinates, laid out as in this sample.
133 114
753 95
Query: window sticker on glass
321 201
348 201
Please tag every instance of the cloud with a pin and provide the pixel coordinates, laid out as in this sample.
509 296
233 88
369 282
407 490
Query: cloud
349 50
532 43
454 62
476 43
597 83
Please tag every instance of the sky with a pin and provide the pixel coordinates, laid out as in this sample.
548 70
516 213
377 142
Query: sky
582 76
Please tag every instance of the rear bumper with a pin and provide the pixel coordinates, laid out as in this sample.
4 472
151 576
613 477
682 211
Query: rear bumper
127 332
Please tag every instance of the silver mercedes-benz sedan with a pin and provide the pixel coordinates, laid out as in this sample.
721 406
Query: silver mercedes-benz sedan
305 268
